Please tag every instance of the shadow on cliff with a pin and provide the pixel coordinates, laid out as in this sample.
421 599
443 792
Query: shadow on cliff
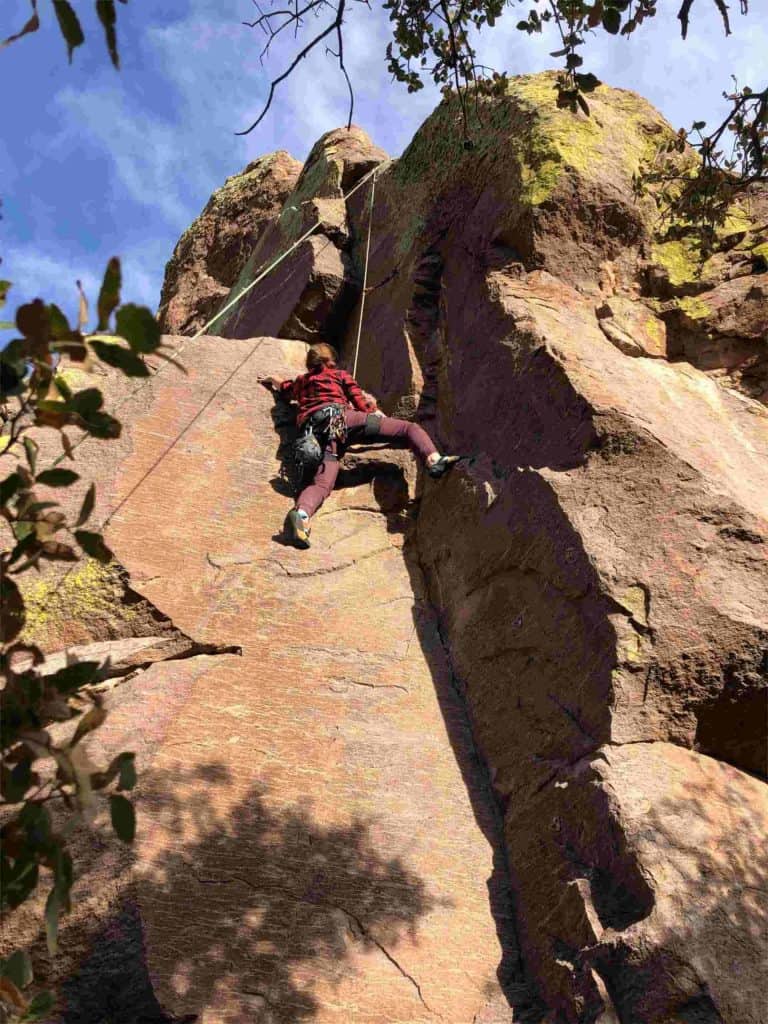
282 900
513 982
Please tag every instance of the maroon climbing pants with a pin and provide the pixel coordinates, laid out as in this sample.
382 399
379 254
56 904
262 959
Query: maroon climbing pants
417 439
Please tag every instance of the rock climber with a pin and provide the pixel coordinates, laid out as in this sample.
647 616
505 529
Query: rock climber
332 404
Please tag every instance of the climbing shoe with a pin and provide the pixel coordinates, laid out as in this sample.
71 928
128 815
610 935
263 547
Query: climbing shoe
443 464
297 529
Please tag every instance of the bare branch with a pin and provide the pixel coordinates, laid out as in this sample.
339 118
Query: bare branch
346 76
723 8
335 26
683 15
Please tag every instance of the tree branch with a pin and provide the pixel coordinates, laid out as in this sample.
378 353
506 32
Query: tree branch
334 26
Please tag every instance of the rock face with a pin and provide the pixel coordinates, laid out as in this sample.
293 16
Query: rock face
212 252
600 563
535 688
318 839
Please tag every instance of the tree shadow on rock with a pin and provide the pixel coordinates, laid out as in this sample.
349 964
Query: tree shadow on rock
250 912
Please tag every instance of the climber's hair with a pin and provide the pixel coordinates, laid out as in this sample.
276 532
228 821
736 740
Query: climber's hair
321 355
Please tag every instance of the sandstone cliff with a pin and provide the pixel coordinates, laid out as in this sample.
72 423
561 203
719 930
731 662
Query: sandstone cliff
495 747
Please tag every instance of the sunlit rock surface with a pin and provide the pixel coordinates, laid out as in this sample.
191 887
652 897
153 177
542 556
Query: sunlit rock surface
490 740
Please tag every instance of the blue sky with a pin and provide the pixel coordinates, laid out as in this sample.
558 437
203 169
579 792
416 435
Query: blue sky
95 163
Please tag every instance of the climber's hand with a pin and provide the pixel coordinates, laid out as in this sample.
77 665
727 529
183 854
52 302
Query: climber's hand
270 382
378 412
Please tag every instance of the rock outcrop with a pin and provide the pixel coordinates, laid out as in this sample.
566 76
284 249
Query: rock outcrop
536 688
309 294
212 252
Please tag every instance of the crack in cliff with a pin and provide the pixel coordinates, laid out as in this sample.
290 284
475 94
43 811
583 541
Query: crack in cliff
573 716
326 905
371 938
326 570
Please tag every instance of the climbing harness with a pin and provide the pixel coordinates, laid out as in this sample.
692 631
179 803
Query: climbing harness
307 452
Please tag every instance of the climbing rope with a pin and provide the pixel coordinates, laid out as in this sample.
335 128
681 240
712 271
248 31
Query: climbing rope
365 273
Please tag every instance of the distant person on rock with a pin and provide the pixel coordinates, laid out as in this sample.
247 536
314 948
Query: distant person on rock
334 408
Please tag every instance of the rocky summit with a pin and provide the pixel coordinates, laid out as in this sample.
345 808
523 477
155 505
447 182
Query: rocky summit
494 748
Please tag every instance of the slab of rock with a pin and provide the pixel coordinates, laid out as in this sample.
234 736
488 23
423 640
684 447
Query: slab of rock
212 252
599 568
618 844
317 839
602 574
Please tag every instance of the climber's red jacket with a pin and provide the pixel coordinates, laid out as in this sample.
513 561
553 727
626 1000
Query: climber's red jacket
324 385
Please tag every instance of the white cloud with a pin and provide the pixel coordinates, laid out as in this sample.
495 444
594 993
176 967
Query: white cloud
142 148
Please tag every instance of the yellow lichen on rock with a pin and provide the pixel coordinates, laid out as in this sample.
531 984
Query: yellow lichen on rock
87 600
694 307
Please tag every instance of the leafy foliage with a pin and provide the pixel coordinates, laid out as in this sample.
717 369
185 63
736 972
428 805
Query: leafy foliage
70 27
733 156
47 782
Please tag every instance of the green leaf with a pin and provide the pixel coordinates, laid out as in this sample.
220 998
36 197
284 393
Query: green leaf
90 721
87 507
587 82
52 906
85 402
19 880
12 612
123 818
611 20
16 781
93 545
36 820
59 325
25 545
57 477
17 968
126 764
39 1008
105 9
69 25
31 449
10 486
122 358
23 528
62 387
139 328
109 296
73 676
5 287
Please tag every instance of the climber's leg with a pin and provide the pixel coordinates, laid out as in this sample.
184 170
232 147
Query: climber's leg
418 440
391 429
313 496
